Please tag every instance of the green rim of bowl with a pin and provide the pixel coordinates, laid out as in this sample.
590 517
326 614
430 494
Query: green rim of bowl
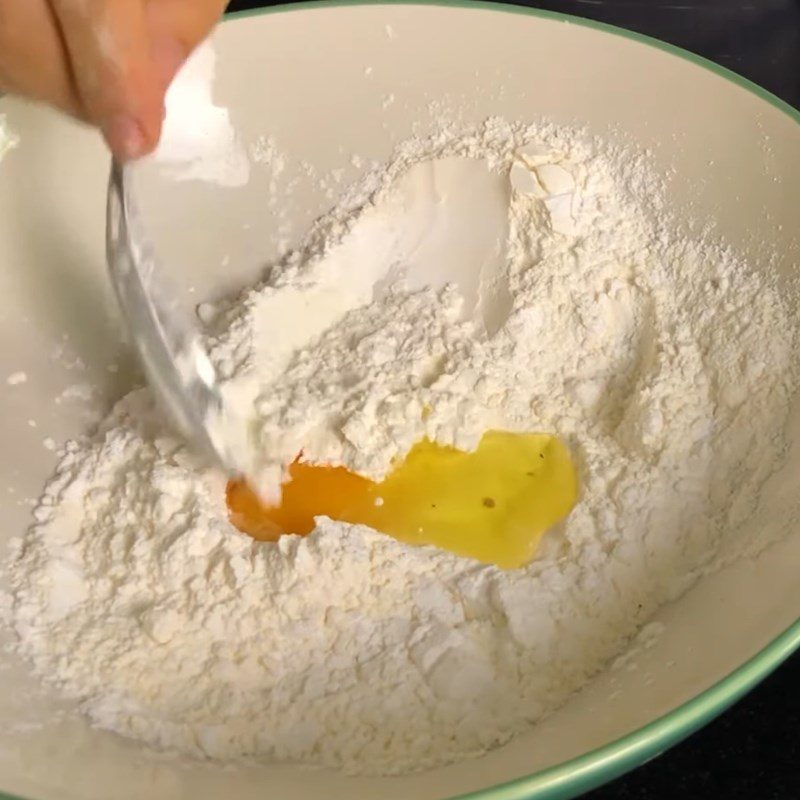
592 769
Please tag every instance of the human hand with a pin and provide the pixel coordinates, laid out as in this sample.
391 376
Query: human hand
108 62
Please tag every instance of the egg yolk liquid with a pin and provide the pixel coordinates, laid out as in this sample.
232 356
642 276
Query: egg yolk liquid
493 504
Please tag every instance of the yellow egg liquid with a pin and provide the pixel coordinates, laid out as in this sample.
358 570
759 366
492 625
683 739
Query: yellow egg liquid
493 504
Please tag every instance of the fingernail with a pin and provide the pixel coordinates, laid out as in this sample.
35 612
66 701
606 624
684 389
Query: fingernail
125 137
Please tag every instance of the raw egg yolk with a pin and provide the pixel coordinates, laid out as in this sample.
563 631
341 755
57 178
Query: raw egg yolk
493 504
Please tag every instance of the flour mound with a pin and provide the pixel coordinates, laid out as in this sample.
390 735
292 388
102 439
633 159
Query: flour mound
665 363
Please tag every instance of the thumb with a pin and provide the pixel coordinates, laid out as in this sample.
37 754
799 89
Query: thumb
109 50
175 28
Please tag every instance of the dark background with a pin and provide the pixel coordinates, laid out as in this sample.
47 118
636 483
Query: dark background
752 752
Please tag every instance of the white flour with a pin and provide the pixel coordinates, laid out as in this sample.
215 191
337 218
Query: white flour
207 148
8 139
664 363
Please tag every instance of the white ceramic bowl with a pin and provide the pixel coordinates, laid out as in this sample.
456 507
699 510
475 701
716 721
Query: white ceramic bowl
316 77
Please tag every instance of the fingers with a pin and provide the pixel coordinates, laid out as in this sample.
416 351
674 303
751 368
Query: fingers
106 61
33 59
176 27
120 91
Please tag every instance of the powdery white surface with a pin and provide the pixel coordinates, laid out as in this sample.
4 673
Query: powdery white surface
8 139
17 378
198 141
664 362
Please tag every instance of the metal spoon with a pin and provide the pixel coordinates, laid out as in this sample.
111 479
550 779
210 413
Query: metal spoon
176 363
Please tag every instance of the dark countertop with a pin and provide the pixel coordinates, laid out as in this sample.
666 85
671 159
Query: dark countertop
752 752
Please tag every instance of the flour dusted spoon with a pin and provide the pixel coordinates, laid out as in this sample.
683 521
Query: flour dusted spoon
176 364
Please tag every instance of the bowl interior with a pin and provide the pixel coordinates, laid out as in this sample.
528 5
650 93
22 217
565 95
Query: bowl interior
319 82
